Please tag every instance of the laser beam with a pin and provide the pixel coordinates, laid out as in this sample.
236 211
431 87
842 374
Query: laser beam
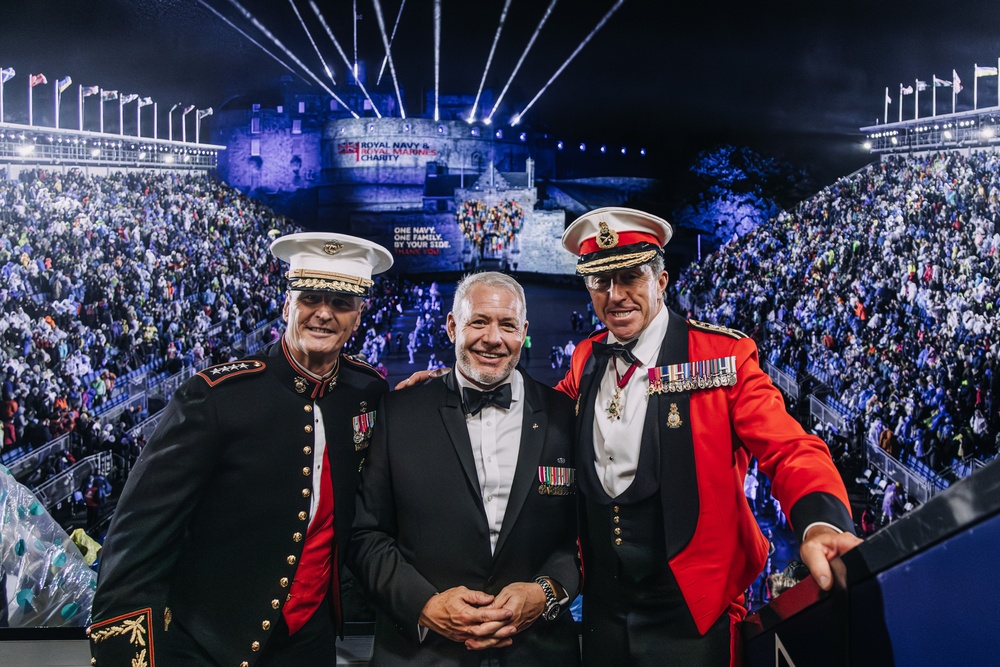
343 55
437 57
251 40
392 37
517 117
489 59
520 61
329 72
388 55
267 33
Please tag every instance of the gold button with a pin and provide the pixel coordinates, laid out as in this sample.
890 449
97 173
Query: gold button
615 508
290 560
305 493
296 537
284 582
307 471
275 603
255 646
308 428
244 664
288 597
618 531
93 661
307 408
266 625
307 450
616 519
618 542
303 516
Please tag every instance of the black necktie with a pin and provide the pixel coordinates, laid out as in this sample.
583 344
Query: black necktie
620 350
476 400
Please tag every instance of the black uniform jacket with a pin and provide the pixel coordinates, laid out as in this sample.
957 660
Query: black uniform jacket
209 528
421 526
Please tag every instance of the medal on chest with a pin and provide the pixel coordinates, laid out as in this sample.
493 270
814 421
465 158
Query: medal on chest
617 403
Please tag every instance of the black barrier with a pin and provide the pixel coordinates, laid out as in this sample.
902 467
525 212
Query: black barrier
919 592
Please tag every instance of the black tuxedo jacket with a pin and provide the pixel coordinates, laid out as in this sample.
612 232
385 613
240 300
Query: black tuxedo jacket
421 527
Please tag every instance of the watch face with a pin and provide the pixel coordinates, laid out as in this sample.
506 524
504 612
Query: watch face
551 613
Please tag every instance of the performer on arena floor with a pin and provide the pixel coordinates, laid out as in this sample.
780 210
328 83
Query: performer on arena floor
227 542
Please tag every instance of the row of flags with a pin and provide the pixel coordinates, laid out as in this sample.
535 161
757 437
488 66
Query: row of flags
920 86
955 84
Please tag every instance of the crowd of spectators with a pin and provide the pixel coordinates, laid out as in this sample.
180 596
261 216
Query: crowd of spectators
100 275
883 289
491 229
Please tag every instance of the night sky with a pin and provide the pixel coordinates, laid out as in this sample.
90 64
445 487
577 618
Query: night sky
790 79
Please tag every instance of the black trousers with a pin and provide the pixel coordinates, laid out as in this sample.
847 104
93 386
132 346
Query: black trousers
646 623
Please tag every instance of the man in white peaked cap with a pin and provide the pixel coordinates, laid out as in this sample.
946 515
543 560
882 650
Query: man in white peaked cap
670 413
227 544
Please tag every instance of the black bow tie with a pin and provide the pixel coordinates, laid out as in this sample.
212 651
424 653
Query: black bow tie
620 350
476 400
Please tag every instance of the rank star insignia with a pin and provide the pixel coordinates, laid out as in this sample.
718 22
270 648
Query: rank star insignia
300 385
674 417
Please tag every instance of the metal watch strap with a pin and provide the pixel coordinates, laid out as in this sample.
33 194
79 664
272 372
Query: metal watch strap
552 606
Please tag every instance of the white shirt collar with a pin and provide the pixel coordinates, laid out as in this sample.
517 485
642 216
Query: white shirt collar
515 381
650 338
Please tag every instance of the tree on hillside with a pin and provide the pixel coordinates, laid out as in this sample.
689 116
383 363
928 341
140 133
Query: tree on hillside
740 189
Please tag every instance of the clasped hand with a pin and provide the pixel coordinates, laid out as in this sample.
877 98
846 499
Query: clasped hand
480 620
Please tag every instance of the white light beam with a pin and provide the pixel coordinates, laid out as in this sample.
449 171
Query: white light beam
329 33
520 61
437 57
489 58
257 24
354 4
252 40
392 37
326 68
388 55
600 24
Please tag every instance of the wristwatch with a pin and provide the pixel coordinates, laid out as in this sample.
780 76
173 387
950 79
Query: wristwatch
552 606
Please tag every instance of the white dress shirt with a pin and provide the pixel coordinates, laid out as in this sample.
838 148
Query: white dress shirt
496 440
617 441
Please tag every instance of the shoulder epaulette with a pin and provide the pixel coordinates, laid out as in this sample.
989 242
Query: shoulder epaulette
362 366
213 375
715 328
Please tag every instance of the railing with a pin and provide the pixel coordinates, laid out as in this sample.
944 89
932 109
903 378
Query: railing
917 488
824 413
65 484
21 467
782 380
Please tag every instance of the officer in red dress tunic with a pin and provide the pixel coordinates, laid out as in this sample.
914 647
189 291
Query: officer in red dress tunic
670 412
228 539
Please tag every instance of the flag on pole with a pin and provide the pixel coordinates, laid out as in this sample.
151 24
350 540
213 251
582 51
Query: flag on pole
908 90
985 71
941 82
145 101
87 91
956 81
204 112
108 95
37 80
6 74
129 98
888 100
189 109
63 84
921 86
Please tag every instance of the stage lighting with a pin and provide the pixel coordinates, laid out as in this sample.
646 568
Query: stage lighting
475 131
895 141
560 145
499 134
642 152
142 155
487 121
440 129
26 149
988 133
169 159
604 149
583 147
95 152
523 136
623 150
947 134
867 145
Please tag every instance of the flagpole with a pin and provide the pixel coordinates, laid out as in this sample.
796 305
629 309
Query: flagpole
138 120
900 103
155 122
934 81
1 101
55 89
954 91
975 86
998 82
31 111
100 98
79 105
916 99
885 116
121 116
